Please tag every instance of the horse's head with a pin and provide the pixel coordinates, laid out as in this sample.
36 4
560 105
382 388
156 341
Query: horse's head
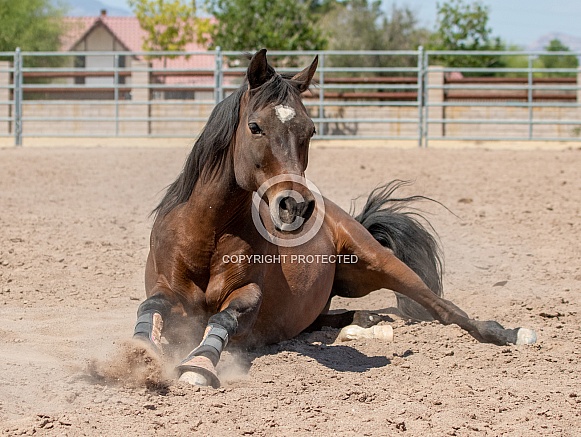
272 142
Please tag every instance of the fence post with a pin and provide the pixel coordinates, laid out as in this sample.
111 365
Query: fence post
578 85
425 101
530 95
420 88
578 101
321 86
218 77
140 94
435 100
116 92
17 97
5 86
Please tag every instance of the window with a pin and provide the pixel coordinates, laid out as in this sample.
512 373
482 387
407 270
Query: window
80 62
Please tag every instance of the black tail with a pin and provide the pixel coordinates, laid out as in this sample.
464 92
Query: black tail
403 232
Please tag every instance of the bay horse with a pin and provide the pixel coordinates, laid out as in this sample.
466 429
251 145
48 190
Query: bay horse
245 250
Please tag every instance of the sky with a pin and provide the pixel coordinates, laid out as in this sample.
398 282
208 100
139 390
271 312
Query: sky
516 21
519 22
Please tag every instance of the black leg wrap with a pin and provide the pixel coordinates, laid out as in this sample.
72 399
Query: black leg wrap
226 320
145 325
205 351
156 303
213 343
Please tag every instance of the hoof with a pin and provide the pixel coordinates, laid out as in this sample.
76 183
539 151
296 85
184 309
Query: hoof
147 343
526 336
354 332
199 371
194 378
366 319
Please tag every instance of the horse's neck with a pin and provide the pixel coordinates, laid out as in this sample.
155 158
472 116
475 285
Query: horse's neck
218 200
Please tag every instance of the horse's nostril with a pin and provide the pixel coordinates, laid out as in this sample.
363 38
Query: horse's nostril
300 209
287 209
310 207
289 212
288 203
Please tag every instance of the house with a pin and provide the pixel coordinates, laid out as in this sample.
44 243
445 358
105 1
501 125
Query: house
124 34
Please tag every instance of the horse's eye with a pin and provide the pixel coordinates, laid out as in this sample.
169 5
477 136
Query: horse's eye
314 132
254 128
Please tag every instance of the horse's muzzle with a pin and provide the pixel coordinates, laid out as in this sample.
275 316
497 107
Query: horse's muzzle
289 210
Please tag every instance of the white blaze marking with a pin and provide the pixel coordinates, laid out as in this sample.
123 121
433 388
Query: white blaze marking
284 113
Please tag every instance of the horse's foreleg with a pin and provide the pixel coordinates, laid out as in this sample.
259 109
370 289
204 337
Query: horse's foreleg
236 317
150 316
377 267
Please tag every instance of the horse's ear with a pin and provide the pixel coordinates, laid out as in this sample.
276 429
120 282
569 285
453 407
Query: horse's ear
259 72
303 78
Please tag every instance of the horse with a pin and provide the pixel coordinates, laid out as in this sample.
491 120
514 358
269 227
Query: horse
245 251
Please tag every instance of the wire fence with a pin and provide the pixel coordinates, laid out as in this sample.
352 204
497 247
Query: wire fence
385 95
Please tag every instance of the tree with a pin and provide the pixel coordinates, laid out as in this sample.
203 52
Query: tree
464 26
32 25
560 60
170 24
254 24
363 25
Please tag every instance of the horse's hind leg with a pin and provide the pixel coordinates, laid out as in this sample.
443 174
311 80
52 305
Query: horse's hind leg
341 319
377 267
409 237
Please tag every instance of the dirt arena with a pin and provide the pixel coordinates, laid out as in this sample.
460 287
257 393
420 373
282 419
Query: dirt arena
74 231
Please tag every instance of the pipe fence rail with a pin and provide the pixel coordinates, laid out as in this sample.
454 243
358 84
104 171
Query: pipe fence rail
383 95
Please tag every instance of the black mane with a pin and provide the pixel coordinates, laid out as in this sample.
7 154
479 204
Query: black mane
209 151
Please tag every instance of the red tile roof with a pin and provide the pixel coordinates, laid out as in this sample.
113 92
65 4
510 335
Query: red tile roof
131 36
76 29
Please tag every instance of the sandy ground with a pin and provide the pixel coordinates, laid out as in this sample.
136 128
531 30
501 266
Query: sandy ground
74 231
